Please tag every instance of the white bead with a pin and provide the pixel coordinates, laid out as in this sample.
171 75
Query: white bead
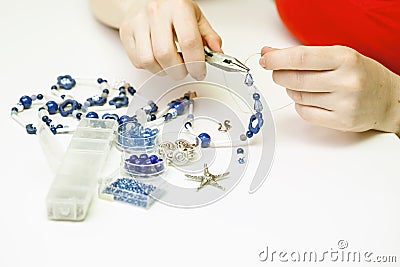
173 112
19 106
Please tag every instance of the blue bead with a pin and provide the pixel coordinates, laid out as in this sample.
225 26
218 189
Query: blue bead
39 96
179 106
143 156
124 119
79 115
54 87
66 82
205 139
258 106
154 132
52 107
45 118
110 116
106 91
153 117
153 159
67 107
255 129
59 126
30 129
241 161
92 115
240 150
100 80
248 80
53 130
256 96
249 134
131 90
167 117
26 101
119 101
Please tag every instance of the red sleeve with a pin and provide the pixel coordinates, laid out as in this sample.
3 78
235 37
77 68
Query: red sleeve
371 27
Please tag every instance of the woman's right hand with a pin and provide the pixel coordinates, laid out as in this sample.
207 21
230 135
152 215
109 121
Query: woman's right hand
149 38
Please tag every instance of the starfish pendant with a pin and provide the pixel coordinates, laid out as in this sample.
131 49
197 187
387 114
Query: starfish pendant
207 178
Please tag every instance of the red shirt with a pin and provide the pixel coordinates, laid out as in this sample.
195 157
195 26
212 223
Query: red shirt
371 27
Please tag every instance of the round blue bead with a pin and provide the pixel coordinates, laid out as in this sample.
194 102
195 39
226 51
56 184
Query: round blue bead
240 150
100 80
205 139
39 96
124 119
52 107
249 134
153 159
143 156
26 101
92 115
256 96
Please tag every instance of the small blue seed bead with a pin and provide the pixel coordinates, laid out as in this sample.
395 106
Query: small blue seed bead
39 96
241 161
45 118
249 134
92 115
256 96
48 122
26 101
240 150
106 91
100 80
54 87
53 130
153 117
79 115
59 126
14 109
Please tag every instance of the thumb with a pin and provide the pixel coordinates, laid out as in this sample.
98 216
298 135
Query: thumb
265 50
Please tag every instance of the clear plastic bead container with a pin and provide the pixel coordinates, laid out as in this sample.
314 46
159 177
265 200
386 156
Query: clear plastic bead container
71 192
134 137
122 187
142 165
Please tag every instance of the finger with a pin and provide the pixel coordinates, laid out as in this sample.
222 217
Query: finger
325 118
190 40
137 43
267 49
320 100
302 58
317 115
209 35
164 48
310 81
143 54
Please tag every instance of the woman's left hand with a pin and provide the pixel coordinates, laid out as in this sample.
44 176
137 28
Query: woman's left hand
337 87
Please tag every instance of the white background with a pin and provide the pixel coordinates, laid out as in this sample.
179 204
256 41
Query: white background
324 185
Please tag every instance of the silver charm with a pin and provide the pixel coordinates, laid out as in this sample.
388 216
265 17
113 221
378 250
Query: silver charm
207 178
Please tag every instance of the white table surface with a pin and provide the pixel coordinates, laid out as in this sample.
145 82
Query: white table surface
324 185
